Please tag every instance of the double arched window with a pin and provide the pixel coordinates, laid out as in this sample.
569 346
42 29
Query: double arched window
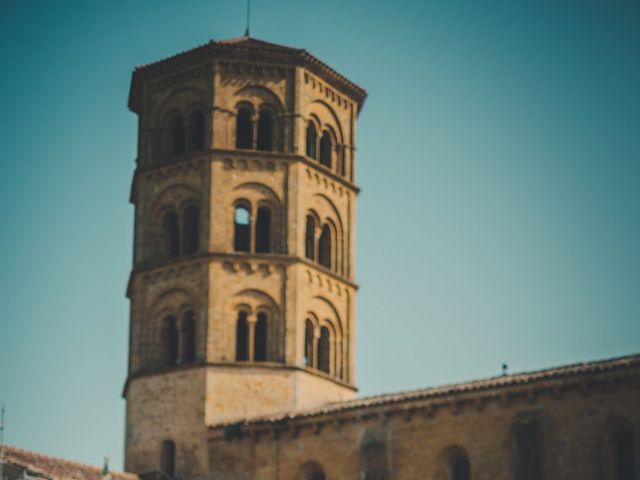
255 132
180 233
325 148
252 337
179 339
321 348
252 236
321 242
182 138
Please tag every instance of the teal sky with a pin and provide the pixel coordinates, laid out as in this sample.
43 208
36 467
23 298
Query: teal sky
499 160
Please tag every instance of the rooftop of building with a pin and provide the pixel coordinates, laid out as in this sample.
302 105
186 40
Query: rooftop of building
496 383
37 465
251 45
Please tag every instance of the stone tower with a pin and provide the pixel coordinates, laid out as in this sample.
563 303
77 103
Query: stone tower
242 289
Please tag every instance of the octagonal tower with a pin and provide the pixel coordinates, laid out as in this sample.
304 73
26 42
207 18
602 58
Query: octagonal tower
242 289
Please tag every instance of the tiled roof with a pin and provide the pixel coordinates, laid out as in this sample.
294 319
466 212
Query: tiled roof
56 468
248 42
503 381
297 55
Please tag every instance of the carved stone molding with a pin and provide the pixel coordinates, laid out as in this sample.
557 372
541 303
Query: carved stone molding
248 267
171 273
176 169
317 179
325 282
254 69
326 91
179 78
250 164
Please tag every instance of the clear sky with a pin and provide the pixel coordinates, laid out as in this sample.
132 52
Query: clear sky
499 160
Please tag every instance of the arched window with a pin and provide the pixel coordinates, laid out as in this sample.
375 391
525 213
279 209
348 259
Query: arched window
263 230
242 229
318 475
188 354
374 461
342 167
170 341
260 338
265 131
168 458
244 129
196 127
176 136
324 350
461 468
171 234
190 229
309 238
308 343
325 149
312 471
324 247
312 140
242 337
624 451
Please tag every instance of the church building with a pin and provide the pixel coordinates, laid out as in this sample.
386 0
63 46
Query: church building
242 304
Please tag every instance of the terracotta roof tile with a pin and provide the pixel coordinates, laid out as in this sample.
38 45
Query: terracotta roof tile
503 381
57 468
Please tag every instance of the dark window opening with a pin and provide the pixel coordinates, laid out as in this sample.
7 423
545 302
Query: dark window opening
324 350
168 458
171 234
242 230
263 230
624 455
308 343
374 462
342 167
309 238
176 131
188 338
312 140
461 468
528 451
324 247
317 475
242 337
325 150
196 124
191 217
244 129
260 338
265 131
170 341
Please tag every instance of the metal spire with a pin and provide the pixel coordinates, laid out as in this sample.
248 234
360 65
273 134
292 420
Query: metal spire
246 32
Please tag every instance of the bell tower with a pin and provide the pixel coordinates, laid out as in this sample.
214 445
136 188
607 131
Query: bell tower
242 289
